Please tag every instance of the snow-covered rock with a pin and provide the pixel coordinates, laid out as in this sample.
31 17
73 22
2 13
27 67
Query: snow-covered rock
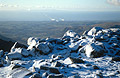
72 34
94 30
71 60
32 41
94 50
43 47
65 57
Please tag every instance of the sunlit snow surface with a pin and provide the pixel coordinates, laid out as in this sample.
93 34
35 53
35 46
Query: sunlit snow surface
89 55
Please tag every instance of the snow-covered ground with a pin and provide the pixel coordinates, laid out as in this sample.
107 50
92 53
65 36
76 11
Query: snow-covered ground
95 54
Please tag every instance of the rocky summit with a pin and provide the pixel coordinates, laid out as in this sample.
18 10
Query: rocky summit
95 54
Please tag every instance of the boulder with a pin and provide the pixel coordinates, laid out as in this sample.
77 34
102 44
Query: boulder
43 47
71 60
51 69
32 41
94 50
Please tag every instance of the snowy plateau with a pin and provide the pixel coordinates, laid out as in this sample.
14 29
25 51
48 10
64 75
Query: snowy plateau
95 54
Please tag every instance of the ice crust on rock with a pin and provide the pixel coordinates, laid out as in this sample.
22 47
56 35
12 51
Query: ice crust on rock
94 54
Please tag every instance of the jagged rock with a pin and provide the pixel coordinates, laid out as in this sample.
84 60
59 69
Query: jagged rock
115 58
36 75
94 30
94 50
71 60
55 76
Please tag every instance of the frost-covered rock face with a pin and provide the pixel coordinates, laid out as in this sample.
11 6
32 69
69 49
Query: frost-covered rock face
95 54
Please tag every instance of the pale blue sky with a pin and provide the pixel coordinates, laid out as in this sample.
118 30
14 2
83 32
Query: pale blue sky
77 5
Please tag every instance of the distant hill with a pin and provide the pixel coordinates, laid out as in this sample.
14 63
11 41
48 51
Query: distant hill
81 29
21 30
7 43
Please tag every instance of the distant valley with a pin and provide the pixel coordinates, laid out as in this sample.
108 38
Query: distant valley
21 30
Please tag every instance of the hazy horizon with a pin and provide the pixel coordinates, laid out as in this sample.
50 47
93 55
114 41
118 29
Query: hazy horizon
60 10
58 16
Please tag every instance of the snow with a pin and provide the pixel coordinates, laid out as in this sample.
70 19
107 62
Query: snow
90 55
94 30
68 61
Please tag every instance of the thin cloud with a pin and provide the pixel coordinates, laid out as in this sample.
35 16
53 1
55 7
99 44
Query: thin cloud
114 2
8 6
